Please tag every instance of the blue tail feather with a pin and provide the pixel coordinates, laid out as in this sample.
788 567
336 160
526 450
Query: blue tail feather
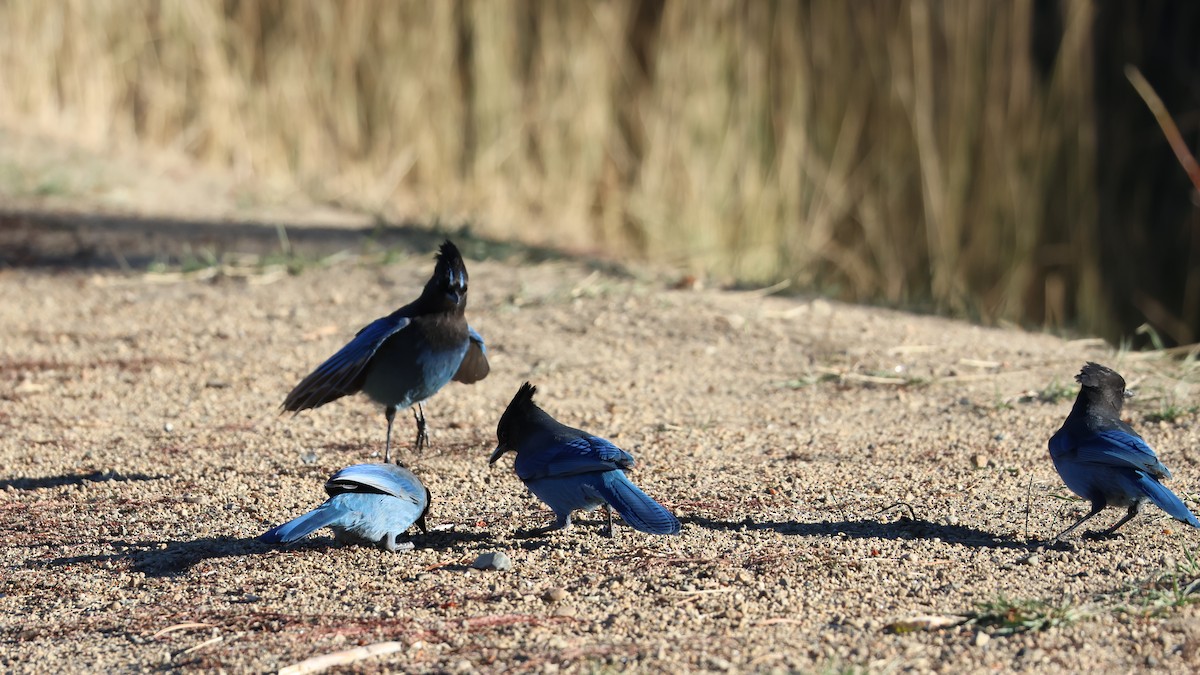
299 528
636 507
1166 500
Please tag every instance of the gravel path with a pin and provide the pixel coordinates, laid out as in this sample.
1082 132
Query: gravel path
143 453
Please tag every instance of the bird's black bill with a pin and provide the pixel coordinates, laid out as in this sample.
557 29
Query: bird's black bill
500 450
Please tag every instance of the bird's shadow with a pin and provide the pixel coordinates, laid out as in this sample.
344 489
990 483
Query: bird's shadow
73 479
157 558
903 529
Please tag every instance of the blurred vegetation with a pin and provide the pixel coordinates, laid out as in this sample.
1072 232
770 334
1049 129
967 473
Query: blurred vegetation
937 155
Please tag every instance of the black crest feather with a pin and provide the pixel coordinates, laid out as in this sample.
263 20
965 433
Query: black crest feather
448 254
1098 376
524 394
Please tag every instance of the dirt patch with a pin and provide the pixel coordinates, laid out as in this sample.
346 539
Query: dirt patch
144 453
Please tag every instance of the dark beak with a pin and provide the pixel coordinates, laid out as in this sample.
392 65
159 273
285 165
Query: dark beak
500 450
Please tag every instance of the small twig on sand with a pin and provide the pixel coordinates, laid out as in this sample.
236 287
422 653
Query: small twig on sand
912 514
317 664
211 641
181 626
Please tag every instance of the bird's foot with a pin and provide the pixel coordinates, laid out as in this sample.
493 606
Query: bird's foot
1056 544
1100 535
422 435
389 542
534 533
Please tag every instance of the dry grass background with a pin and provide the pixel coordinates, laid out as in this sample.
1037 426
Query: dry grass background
904 152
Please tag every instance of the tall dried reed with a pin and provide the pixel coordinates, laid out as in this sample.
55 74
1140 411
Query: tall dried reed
907 152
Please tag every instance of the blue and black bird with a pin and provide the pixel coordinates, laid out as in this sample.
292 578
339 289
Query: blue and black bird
368 504
570 469
1103 460
408 355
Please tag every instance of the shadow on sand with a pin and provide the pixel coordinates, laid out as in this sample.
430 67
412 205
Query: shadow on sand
157 558
32 238
902 529
72 479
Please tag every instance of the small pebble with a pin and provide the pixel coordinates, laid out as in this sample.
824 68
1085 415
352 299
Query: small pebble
982 639
1031 559
497 560
557 594
168 427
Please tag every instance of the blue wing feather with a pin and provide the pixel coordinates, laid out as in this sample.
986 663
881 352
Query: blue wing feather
583 454
342 374
388 479
477 339
1114 448
357 517
474 365
564 494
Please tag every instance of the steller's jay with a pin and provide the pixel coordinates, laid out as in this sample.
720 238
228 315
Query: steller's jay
1103 460
408 355
368 504
570 469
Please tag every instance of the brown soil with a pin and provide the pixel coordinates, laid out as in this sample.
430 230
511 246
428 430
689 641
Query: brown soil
144 453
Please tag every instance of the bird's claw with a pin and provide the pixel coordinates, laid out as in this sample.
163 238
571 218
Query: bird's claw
389 543
1057 544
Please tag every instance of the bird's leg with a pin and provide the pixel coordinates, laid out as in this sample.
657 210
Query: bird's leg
1133 511
608 532
390 413
1097 507
389 542
422 437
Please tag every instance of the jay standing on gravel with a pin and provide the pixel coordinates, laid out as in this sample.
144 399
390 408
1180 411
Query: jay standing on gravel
1103 460
569 469
407 356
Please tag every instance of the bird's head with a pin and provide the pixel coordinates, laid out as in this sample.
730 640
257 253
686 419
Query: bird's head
511 421
1103 383
448 284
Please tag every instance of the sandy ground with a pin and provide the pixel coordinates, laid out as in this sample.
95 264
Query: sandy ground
143 454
